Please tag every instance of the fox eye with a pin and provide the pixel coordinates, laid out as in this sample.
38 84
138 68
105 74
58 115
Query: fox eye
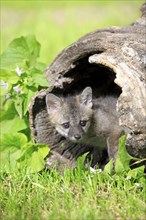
83 123
66 125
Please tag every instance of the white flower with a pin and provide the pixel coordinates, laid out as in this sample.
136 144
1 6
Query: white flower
99 170
18 71
8 95
128 177
4 84
17 89
138 185
92 170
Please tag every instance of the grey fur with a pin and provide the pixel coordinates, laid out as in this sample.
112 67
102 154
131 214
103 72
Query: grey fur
92 122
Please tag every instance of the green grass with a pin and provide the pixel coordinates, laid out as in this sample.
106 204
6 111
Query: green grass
76 194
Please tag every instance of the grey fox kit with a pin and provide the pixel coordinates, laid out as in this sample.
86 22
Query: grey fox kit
85 120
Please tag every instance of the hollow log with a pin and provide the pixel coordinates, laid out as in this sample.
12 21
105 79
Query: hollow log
113 62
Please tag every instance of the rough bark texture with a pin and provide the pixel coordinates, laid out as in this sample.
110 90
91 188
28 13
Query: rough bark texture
111 61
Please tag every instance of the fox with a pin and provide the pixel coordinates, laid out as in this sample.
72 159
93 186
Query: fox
86 120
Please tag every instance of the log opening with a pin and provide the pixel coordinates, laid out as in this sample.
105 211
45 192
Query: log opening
99 77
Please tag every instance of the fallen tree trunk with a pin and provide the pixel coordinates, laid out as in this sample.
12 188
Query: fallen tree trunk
111 61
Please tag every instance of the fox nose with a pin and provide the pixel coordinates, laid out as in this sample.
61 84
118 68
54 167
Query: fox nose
77 136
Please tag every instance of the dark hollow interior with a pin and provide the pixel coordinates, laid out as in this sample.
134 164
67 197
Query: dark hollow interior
98 77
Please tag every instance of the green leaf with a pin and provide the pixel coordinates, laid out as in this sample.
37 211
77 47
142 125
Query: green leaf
13 140
9 76
12 126
109 167
41 66
10 122
10 149
18 106
30 91
37 163
34 48
33 156
15 55
39 77
136 173
123 158
43 150
21 52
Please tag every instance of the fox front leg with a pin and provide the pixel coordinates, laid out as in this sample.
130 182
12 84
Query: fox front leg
112 144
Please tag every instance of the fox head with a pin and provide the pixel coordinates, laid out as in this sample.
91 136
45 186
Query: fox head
71 116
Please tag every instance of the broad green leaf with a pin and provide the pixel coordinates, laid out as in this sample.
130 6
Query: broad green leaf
137 172
109 167
8 159
30 91
37 162
13 140
18 107
13 125
10 122
39 77
26 152
34 48
9 76
10 149
21 52
43 150
9 111
33 156
15 55
41 66
123 158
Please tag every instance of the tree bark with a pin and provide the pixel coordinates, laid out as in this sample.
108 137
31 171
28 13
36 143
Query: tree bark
111 61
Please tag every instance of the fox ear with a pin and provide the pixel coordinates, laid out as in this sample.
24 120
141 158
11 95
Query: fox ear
86 97
53 103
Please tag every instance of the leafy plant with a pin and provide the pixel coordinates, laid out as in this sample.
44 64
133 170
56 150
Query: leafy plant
122 162
21 77
21 74
15 151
